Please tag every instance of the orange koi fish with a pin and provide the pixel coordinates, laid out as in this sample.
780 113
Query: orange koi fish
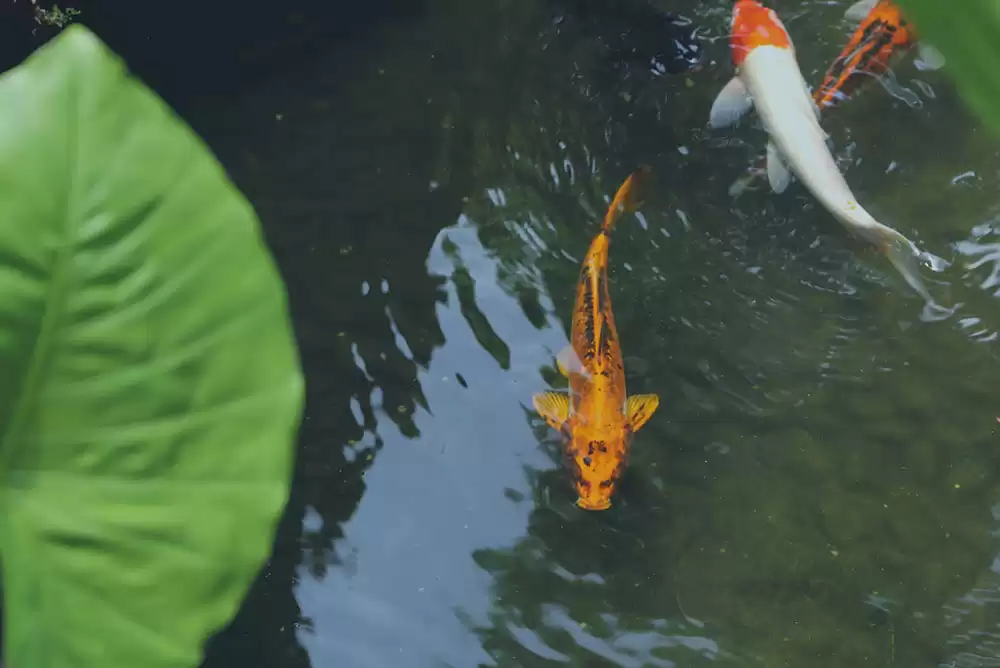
882 37
596 418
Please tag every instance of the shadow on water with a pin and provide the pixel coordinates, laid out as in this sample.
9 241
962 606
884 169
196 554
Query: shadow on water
815 504
351 237
819 485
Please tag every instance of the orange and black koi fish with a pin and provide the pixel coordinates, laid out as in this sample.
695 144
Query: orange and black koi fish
596 418
882 37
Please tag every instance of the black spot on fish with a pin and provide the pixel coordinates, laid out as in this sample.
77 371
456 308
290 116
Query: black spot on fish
883 41
605 347
875 36
872 27
588 461
589 328
615 475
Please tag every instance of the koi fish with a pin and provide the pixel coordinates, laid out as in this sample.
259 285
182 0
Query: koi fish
768 78
596 418
882 37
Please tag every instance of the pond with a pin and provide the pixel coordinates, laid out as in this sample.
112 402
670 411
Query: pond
819 486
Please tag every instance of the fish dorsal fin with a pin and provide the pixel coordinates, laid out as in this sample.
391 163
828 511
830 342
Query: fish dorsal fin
859 10
553 406
639 408
777 171
928 58
732 102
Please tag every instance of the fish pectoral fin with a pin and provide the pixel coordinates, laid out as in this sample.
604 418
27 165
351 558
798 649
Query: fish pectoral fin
731 104
568 362
777 171
639 408
553 406
928 58
742 184
859 10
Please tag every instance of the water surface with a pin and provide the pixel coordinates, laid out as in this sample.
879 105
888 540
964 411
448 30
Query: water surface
819 485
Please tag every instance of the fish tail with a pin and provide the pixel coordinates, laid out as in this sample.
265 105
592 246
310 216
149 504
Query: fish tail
626 199
904 255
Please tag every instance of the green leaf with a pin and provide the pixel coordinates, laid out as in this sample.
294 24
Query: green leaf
967 33
150 387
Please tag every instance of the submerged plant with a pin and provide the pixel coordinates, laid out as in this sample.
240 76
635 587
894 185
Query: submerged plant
151 388
55 16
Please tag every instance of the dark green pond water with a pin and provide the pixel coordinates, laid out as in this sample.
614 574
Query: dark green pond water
819 486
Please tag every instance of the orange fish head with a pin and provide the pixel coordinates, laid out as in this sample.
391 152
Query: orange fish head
597 465
889 18
755 25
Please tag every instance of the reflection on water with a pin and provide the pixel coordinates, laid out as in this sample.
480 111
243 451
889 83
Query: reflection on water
819 484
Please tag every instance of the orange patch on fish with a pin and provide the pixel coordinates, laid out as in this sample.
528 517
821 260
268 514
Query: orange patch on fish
755 25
